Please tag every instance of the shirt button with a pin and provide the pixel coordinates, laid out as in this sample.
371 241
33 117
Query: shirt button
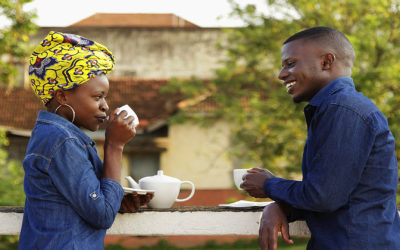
94 195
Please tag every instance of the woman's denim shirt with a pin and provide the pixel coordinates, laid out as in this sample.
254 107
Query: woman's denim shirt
68 203
350 174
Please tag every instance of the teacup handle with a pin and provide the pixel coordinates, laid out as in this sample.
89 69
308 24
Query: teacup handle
190 195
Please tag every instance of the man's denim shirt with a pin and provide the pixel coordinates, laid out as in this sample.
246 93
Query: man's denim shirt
68 203
350 174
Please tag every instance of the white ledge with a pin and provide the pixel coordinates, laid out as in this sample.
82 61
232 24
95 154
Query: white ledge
193 223
174 221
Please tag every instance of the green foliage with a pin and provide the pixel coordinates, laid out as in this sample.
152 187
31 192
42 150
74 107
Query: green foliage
269 130
11 177
8 242
300 244
11 188
11 185
16 28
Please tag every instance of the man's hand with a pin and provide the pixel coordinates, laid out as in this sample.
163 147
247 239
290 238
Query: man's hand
133 201
253 182
273 220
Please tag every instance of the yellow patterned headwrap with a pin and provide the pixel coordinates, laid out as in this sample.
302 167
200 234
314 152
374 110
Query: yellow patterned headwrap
64 61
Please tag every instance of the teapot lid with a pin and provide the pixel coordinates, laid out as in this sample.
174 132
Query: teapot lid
159 177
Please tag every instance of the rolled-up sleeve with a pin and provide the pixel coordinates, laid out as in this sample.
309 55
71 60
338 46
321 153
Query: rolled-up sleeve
72 173
335 157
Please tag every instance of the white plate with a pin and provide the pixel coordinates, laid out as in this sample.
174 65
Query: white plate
243 203
139 191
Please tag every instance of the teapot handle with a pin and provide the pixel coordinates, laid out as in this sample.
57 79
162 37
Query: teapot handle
190 195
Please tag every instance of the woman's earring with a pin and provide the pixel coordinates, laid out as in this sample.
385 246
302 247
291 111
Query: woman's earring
73 111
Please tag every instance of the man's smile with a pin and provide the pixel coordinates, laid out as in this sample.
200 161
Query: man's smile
290 85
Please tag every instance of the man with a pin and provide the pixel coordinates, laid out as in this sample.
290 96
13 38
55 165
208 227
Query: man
350 174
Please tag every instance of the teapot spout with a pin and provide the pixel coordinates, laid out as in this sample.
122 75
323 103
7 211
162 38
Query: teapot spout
132 182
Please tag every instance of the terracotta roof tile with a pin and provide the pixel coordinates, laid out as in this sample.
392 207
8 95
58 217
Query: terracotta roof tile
133 20
20 106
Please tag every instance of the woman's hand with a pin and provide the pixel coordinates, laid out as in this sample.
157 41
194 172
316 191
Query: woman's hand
118 133
119 130
133 201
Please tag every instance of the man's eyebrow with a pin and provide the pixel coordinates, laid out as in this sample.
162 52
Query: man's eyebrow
289 59
286 60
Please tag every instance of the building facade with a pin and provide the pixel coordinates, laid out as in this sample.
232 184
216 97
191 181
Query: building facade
146 58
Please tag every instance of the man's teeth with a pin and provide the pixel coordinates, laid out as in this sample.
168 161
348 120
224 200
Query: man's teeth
289 85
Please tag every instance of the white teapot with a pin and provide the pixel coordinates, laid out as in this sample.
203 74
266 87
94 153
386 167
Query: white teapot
166 189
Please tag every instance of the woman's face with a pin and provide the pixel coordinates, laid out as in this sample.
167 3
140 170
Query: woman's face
88 101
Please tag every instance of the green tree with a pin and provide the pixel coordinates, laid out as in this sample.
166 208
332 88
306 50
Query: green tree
16 27
11 177
11 188
269 130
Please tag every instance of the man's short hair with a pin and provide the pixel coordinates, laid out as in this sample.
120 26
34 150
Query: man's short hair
330 38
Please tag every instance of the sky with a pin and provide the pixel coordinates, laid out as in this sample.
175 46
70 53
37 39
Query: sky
205 13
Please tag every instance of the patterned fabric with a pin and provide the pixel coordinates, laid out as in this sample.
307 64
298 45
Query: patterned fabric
64 61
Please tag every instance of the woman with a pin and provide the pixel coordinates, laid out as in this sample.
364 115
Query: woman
71 196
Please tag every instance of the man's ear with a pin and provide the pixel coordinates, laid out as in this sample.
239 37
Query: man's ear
327 61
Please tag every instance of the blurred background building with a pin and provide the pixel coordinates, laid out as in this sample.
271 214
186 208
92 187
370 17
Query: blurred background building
149 49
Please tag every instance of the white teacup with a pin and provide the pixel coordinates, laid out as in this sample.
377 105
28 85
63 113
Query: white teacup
130 112
238 175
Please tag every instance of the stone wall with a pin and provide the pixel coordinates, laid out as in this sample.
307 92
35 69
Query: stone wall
155 52
200 155
193 153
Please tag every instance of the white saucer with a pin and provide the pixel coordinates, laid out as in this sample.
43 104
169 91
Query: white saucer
243 203
139 191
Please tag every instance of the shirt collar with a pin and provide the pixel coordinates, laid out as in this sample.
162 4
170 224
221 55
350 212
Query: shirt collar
330 88
51 118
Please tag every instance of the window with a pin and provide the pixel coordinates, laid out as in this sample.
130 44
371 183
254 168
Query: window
144 164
